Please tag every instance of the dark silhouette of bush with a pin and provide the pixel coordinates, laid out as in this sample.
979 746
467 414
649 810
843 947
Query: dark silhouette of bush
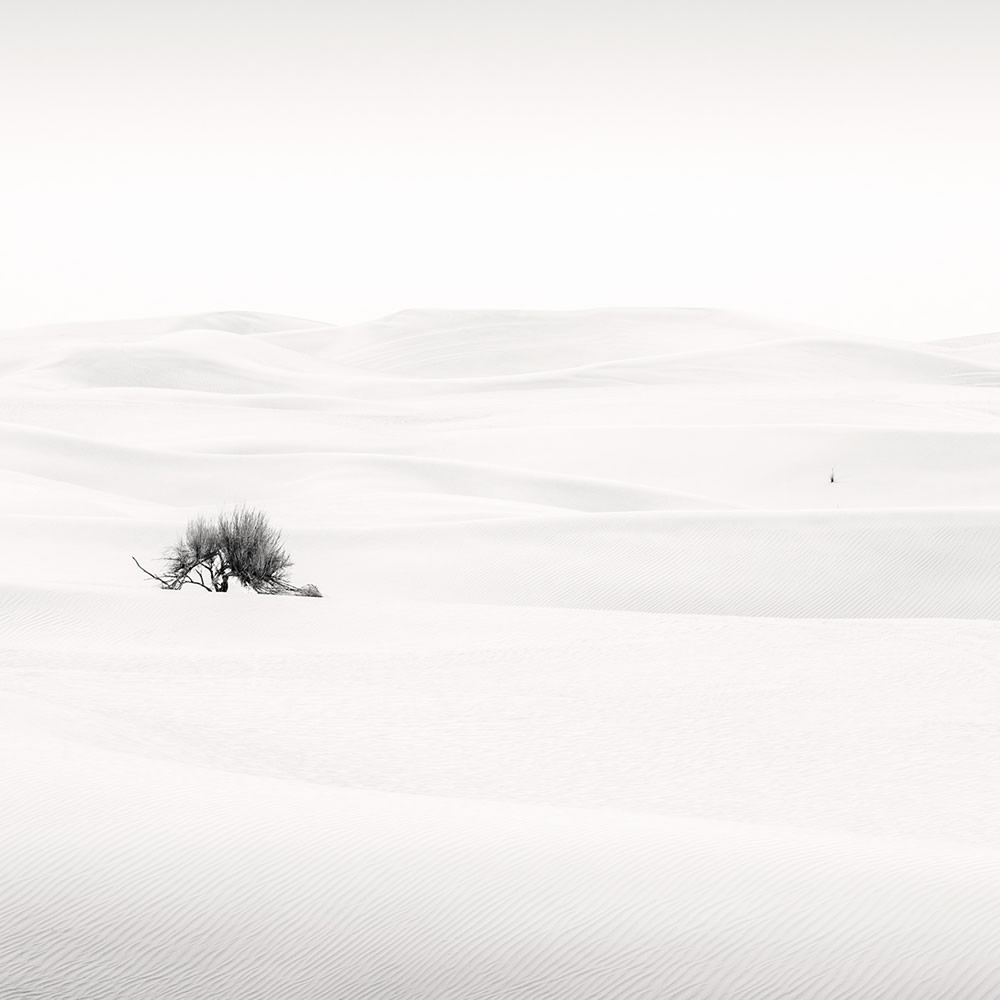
239 545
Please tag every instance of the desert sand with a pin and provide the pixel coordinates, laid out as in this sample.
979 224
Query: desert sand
613 692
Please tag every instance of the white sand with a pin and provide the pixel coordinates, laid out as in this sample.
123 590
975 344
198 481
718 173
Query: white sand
613 693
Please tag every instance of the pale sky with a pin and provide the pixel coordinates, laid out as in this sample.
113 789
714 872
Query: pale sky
834 163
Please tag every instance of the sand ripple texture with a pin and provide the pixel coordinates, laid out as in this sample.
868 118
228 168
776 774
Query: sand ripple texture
614 693
176 883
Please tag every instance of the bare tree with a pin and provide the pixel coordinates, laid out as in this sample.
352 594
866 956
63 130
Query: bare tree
241 544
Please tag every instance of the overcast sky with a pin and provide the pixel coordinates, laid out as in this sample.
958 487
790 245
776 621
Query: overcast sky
835 163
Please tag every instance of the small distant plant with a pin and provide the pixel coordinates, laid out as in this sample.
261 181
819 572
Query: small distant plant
238 545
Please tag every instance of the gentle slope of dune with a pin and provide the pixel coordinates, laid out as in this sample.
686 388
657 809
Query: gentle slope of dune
614 693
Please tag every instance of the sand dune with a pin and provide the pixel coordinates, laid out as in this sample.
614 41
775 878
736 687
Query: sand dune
452 700
442 343
198 360
933 564
982 347
613 694
794 360
188 883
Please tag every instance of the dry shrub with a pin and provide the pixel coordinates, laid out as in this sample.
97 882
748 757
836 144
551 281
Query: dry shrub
241 544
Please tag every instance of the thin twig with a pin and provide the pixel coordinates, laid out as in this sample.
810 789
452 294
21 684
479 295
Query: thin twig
168 585
174 584
198 583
